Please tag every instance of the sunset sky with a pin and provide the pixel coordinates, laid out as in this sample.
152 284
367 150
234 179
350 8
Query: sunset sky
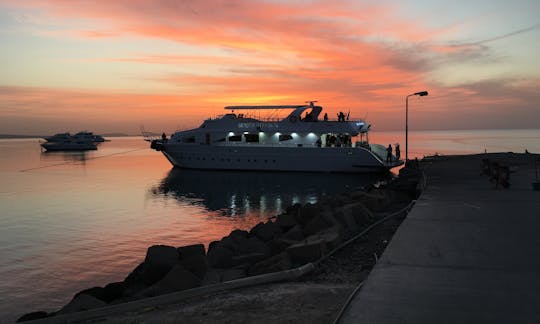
111 66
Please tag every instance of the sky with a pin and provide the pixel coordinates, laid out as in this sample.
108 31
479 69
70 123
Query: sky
114 66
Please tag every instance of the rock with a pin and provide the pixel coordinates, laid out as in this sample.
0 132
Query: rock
219 257
188 251
315 225
296 233
249 258
32 316
266 231
96 292
304 252
196 264
346 218
280 244
232 274
175 280
161 256
113 291
293 210
81 302
315 246
278 262
362 215
331 238
286 221
238 235
307 213
212 277
254 245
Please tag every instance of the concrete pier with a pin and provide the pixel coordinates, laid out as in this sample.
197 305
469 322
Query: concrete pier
467 253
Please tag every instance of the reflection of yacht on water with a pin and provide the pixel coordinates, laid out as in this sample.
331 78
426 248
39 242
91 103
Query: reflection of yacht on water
268 193
294 143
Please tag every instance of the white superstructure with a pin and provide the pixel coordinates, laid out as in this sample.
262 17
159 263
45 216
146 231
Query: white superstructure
302 141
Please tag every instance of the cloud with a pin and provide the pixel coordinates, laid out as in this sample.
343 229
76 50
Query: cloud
342 53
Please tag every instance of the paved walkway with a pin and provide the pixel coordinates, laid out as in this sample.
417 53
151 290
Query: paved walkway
467 252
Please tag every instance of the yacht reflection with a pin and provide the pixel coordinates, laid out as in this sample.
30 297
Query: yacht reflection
265 193
65 156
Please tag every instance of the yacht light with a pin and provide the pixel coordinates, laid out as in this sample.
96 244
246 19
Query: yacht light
231 134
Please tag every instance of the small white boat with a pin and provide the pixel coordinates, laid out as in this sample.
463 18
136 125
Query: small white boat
80 136
294 143
69 145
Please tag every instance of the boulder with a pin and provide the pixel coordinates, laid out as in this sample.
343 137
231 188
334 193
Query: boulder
315 246
238 235
249 258
81 302
196 264
96 292
278 262
191 250
345 217
211 277
107 294
278 245
331 237
307 213
219 257
315 225
295 233
175 280
266 231
304 252
286 221
32 316
362 215
254 245
161 256
232 274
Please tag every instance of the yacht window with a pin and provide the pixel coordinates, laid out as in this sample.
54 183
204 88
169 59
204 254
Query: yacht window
188 139
235 138
252 138
221 140
284 137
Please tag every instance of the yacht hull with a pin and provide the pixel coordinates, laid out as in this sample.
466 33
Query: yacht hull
275 158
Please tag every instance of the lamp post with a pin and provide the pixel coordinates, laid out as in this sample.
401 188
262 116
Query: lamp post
421 94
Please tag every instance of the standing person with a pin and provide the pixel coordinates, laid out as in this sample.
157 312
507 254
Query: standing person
389 153
398 152
325 117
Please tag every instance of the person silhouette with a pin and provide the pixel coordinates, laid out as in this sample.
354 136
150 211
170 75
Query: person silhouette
398 152
389 153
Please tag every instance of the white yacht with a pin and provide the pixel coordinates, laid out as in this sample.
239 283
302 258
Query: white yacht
80 136
69 145
238 141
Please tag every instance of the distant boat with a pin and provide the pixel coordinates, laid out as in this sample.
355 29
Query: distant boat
69 145
80 136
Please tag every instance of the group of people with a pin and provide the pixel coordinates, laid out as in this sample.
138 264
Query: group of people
341 116
389 153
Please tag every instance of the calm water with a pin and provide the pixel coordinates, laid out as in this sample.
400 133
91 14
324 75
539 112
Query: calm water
69 221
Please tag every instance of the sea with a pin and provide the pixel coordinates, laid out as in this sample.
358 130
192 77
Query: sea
75 220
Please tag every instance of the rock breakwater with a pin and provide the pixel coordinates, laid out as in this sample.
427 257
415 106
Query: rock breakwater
302 234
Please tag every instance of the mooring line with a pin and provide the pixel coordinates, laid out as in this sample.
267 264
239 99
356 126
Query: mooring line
76 162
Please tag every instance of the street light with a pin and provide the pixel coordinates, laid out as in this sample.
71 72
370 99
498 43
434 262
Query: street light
421 94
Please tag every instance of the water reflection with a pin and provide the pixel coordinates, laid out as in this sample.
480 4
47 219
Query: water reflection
65 156
265 193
